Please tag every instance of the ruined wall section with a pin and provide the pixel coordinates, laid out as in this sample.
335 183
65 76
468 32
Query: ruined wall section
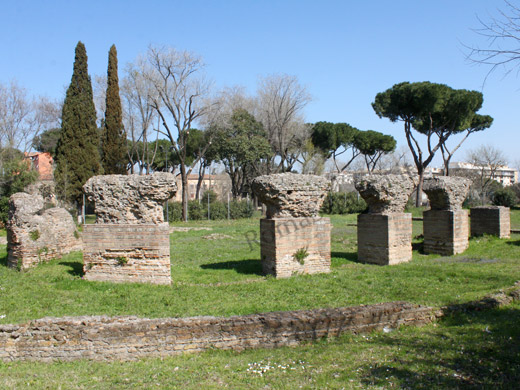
35 234
130 338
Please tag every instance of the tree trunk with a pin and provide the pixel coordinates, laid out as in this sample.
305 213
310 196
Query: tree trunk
184 180
418 197
202 171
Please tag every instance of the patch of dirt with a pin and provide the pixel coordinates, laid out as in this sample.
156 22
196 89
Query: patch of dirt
187 229
216 236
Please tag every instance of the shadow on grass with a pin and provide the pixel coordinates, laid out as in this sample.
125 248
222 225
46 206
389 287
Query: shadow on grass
350 256
251 266
418 246
472 350
516 243
3 260
76 268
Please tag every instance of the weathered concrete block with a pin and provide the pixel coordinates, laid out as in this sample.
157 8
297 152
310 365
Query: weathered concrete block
384 193
125 199
127 253
446 192
384 239
35 235
291 194
494 220
445 231
295 246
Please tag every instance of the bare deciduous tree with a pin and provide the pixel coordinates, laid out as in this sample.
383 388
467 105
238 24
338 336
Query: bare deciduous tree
486 160
503 41
181 99
138 95
23 117
281 101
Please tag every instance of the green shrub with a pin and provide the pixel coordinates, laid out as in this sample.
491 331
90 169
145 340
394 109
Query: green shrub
197 211
218 210
212 197
504 197
343 203
241 209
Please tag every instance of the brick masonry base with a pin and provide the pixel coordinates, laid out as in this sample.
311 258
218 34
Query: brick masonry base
384 239
445 232
493 220
127 253
282 238
130 338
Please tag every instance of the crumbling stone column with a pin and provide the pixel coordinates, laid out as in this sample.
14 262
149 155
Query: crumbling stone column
129 241
293 238
36 234
385 232
493 220
446 224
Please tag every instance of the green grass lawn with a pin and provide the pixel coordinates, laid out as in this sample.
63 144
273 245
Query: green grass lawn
223 277
479 350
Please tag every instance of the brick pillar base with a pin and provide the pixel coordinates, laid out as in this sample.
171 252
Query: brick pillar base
127 253
384 239
282 238
445 231
494 220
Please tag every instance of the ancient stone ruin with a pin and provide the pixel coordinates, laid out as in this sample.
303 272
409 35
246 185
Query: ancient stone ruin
492 220
130 199
385 232
293 238
36 234
129 241
446 224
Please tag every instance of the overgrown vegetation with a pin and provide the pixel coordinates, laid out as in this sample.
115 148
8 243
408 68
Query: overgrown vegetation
218 210
300 255
505 197
343 203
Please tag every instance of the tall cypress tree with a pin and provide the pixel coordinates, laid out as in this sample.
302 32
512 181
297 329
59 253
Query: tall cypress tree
77 152
114 156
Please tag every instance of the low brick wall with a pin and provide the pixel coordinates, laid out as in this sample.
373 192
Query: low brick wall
445 231
129 338
127 253
494 220
282 238
384 239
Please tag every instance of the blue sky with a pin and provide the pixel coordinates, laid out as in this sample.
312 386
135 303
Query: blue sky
344 52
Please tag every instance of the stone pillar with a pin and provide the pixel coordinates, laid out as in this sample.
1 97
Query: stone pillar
385 232
446 224
129 241
293 238
36 234
493 220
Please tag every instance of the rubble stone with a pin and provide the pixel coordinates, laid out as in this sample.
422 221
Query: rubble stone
35 235
130 199
291 194
446 192
385 194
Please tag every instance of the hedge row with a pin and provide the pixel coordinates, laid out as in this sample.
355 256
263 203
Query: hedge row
343 203
217 210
